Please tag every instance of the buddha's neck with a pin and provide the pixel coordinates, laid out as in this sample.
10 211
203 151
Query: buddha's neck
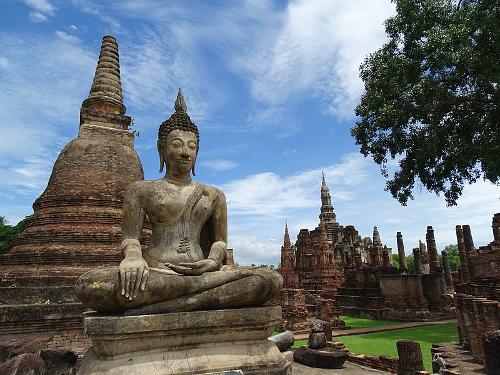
178 180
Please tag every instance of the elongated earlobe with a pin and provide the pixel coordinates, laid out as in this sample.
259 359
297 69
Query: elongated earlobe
162 162
194 164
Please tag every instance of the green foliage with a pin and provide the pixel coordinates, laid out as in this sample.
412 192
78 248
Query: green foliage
432 97
453 257
409 262
7 232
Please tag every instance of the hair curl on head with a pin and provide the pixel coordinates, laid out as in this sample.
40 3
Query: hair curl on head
179 120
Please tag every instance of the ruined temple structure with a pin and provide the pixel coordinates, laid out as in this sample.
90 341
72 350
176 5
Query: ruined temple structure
292 297
319 253
335 263
376 289
478 295
76 224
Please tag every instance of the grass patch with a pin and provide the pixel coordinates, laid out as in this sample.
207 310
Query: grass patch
355 322
384 343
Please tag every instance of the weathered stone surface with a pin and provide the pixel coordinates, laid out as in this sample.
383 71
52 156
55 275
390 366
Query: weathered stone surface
59 361
183 343
14 347
114 335
317 340
283 340
23 364
294 311
410 357
252 357
491 342
477 305
327 357
323 326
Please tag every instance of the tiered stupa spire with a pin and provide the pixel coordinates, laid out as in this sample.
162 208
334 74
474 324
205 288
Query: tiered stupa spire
286 239
327 214
376 238
290 277
106 90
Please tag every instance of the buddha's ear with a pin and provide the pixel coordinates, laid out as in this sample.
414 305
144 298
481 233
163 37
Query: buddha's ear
162 162
194 164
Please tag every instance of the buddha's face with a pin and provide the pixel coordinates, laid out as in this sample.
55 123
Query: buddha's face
179 152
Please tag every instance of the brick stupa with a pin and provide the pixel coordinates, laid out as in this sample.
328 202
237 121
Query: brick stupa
76 223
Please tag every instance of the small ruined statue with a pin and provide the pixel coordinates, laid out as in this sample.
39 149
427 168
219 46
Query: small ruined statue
182 270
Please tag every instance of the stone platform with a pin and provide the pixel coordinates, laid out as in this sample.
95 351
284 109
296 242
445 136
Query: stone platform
184 343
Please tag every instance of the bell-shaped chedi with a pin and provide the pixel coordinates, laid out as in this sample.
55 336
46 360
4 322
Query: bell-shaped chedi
77 219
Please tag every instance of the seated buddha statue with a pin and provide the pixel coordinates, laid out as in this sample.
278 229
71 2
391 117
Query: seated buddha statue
182 269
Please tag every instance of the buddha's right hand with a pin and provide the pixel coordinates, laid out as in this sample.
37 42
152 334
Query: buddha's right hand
134 273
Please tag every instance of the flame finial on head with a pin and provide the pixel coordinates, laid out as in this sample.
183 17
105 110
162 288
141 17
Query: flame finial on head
180 103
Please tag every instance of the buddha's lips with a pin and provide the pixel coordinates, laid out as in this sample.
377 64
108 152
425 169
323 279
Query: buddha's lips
184 161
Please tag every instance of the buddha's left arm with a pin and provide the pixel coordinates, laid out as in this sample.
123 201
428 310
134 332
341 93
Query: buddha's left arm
218 221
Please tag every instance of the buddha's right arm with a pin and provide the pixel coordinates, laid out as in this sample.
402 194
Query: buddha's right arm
133 220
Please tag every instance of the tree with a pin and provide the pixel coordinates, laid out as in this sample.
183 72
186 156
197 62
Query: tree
453 257
7 232
432 98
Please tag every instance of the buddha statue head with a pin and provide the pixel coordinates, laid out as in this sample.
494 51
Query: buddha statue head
178 139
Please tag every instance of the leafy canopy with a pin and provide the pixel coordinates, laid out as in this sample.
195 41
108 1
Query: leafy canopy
7 232
432 98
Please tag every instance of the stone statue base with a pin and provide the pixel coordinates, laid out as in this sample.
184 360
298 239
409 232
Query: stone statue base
184 343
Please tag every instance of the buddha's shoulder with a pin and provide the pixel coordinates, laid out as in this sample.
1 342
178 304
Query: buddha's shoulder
212 190
144 185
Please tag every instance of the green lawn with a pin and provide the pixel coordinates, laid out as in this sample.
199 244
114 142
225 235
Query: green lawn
355 322
384 343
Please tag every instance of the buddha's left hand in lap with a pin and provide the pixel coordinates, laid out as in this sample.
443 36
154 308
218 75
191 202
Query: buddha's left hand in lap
195 268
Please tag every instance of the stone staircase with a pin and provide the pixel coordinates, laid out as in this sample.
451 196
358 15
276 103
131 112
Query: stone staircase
361 302
38 300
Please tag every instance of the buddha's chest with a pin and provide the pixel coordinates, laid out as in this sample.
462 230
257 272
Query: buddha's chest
171 204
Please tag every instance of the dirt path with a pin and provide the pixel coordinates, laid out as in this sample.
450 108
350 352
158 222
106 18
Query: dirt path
358 331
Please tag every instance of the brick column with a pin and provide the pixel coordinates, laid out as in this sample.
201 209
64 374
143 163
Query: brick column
464 261
401 252
417 260
432 249
469 248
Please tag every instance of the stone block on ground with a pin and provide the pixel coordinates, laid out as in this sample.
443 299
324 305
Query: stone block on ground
283 341
327 357
14 347
23 364
59 361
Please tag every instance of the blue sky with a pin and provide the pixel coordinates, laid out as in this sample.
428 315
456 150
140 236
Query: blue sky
272 86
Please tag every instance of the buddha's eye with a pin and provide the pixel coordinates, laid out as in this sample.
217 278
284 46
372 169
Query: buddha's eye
176 143
192 145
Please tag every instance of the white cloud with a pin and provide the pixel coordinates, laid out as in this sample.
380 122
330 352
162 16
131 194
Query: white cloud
38 17
42 10
220 165
95 9
318 51
67 37
4 63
